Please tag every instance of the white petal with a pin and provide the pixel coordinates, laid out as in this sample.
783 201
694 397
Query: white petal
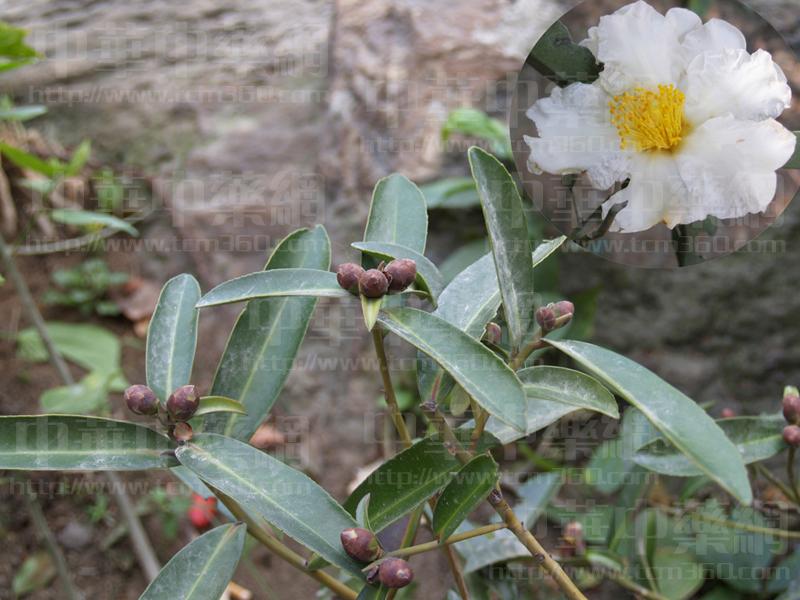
729 165
716 35
576 134
652 194
640 47
748 86
683 21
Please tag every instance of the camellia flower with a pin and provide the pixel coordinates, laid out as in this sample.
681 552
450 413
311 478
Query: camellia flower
681 109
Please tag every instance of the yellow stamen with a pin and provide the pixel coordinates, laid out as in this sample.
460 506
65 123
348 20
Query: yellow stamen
648 120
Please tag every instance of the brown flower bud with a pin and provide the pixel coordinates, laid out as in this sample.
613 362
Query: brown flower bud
791 435
493 333
791 409
546 317
401 274
395 573
573 536
183 403
347 275
360 544
372 575
373 284
564 307
141 400
181 432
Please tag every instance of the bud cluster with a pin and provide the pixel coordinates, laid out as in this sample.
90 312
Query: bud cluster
791 412
362 545
180 407
555 315
376 283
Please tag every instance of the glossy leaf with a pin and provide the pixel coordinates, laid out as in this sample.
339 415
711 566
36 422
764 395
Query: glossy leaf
85 218
398 214
477 124
570 387
552 393
275 283
72 443
202 569
34 574
428 277
218 404
508 232
266 338
403 482
484 376
22 113
267 488
678 575
561 60
757 439
466 490
469 302
172 336
674 414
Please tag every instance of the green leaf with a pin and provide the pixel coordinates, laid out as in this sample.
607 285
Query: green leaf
89 346
561 60
428 277
535 494
463 257
24 160
678 575
22 113
34 574
267 488
266 338
794 162
370 309
172 336
786 574
476 123
12 43
71 443
85 218
469 302
78 161
738 556
484 376
552 393
403 482
89 395
674 414
275 283
202 569
569 387
217 404
451 192
508 231
466 490
757 439
607 467
398 214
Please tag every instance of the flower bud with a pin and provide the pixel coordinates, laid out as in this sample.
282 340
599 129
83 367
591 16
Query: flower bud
183 403
182 432
564 307
493 333
573 536
347 275
546 317
791 405
400 273
728 413
791 435
373 284
141 400
360 544
372 575
395 573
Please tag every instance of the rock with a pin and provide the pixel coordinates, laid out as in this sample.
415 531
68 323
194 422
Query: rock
75 535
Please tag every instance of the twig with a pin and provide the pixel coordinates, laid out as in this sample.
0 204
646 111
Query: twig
774 481
501 506
287 554
408 538
49 540
388 388
628 584
141 544
791 474
783 533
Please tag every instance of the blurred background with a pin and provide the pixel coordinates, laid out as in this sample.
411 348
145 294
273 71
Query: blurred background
217 128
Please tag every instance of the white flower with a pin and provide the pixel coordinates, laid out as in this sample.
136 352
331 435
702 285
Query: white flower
681 109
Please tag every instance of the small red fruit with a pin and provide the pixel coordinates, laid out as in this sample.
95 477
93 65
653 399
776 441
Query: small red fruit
728 413
201 512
